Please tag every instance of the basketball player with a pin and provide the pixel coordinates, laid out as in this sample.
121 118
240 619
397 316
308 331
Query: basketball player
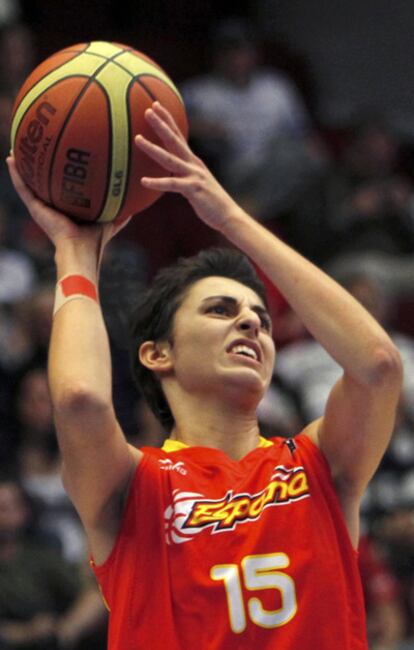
221 539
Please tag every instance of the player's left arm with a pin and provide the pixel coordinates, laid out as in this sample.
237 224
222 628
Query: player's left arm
359 417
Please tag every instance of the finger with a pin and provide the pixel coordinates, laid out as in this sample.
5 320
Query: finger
119 224
178 185
173 142
165 114
37 208
164 158
108 232
20 186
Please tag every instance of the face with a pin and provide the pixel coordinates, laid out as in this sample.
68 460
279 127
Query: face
369 295
41 314
222 339
13 511
35 406
237 63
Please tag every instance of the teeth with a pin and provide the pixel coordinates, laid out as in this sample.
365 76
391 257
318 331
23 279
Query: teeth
243 349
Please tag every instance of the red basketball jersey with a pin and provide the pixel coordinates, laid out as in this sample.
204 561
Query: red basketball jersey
221 554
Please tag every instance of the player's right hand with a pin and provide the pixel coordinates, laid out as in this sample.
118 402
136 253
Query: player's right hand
57 226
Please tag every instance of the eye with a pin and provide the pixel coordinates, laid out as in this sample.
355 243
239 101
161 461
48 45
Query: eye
265 322
221 310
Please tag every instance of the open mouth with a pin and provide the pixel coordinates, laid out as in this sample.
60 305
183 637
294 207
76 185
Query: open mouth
245 350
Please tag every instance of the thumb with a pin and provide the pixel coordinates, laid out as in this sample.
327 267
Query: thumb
109 230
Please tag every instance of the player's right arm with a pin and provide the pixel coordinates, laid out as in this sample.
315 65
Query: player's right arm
98 463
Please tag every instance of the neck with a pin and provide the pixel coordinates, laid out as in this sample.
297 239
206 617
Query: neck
199 422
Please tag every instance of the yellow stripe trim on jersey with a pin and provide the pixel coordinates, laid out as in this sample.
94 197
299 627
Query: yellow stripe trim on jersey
175 445
264 442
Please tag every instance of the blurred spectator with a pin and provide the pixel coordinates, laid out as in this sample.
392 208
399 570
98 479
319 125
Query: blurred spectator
6 107
392 488
45 603
385 613
395 532
17 56
124 273
310 372
280 412
35 243
148 430
17 59
12 210
250 123
371 197
34 407
359 214
24 339
388 508
10 11
17 272
32 321
17 280
39 465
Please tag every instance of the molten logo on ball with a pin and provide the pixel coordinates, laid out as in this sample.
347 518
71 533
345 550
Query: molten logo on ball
31 140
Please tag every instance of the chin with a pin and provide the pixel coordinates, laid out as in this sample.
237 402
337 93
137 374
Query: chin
248 384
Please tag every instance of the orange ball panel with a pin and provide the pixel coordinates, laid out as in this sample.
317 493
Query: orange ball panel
43 69
169 99
141 97
80 165
38 133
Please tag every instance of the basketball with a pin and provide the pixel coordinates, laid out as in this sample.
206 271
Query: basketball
73 127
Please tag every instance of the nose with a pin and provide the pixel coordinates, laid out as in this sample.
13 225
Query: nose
249 322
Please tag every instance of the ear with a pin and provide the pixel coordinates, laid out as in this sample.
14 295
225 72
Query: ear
155 356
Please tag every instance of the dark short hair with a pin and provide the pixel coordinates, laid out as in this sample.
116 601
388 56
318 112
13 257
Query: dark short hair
153 317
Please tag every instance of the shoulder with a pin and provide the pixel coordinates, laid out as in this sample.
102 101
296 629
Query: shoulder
307 437
305 446
198 85
274 78
301 449
154 452
311 433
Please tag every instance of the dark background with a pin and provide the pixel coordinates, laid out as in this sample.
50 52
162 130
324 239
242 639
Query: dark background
344 55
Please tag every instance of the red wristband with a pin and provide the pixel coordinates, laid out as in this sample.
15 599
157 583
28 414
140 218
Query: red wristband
74 286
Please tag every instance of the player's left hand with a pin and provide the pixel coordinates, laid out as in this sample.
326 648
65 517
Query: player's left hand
188 175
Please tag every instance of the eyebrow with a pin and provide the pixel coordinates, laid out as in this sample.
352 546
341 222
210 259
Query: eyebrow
262 311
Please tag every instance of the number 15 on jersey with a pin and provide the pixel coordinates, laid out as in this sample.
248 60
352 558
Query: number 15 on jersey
255 573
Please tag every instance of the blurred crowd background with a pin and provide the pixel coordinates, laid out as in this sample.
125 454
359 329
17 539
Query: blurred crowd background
304 112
